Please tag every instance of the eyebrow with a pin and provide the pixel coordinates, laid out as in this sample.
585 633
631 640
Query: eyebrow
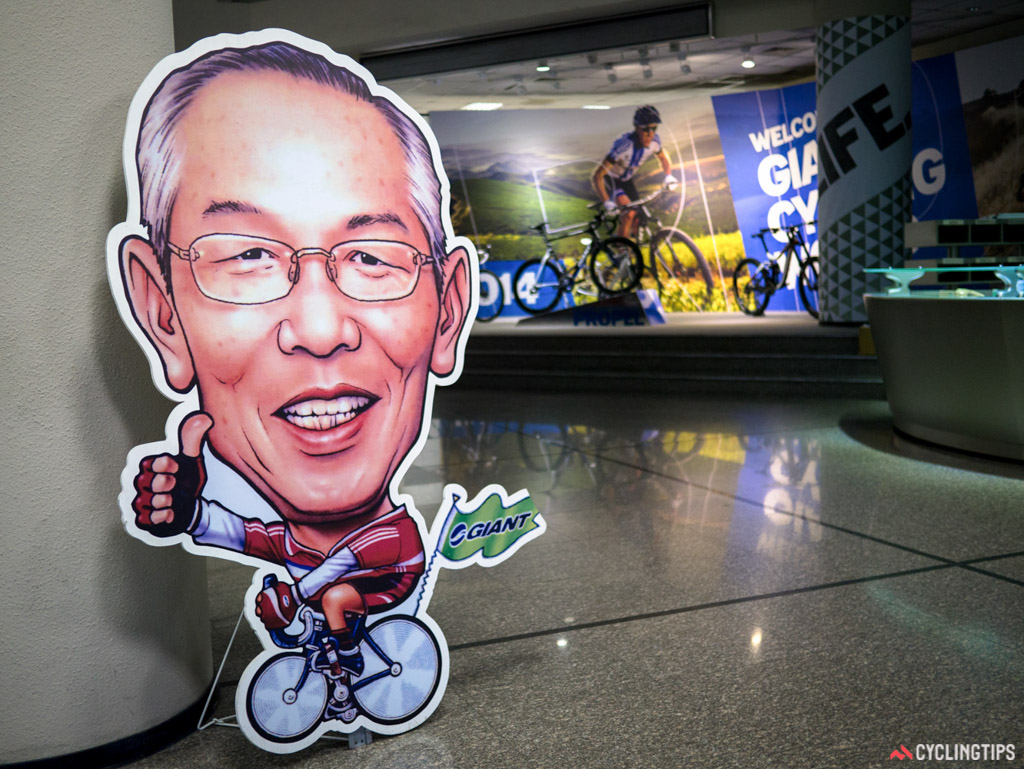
232 207
356 222
365 220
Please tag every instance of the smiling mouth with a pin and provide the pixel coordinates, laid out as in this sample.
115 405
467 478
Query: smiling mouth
320 414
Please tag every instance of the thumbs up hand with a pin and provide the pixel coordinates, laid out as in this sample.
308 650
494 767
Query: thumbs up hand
167 487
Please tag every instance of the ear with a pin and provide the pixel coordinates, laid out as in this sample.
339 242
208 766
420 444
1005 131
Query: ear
154 310
455 300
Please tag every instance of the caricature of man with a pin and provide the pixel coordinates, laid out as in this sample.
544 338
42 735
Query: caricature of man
296 273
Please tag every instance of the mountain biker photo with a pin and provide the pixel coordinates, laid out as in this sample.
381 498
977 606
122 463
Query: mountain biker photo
612 180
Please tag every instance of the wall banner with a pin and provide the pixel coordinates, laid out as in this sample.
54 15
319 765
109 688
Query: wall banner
941 169
513 169
769 141
771 156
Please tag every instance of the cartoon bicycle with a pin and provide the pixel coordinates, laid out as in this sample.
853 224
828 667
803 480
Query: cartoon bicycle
293 692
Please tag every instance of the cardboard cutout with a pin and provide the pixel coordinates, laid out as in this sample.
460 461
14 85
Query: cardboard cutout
288 265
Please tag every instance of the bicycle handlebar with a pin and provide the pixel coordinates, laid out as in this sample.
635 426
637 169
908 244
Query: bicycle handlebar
544 229
785 228
602 215
651 196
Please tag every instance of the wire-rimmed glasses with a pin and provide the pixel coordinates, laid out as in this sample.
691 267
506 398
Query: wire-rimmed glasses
246 269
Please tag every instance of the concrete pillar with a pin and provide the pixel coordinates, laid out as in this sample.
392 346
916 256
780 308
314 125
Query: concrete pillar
101 637
864 156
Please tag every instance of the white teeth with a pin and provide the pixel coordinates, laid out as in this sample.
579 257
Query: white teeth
320 414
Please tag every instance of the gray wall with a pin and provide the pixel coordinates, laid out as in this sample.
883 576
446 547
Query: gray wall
101 636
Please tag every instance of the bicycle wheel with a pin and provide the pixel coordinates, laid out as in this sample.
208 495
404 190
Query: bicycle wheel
673 250
412 668
549 450
538 286
276 710
616 265
752 286
492 297
809 285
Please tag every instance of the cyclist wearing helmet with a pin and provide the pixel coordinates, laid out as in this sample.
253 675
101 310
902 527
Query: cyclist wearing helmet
613 179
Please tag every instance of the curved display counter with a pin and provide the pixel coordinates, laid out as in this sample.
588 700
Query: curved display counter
953 368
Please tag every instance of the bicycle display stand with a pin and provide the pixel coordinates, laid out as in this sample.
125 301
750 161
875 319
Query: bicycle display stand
357 739
638 308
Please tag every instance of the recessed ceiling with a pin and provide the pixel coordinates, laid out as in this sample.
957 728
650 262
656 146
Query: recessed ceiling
627 76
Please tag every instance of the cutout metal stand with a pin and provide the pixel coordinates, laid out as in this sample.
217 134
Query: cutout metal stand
357 739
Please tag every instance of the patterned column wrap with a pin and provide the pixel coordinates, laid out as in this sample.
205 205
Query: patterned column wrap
864 157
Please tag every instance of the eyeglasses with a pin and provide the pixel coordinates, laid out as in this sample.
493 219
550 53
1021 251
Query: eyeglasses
244 269
649 129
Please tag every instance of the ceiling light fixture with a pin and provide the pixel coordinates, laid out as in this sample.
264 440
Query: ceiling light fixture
748 63
596 106
543 67
483 106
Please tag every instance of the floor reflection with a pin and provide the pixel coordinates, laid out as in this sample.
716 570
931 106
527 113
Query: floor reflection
709 564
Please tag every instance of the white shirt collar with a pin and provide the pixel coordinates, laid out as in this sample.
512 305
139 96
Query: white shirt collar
228 488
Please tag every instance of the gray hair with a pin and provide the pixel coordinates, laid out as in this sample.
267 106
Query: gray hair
159 159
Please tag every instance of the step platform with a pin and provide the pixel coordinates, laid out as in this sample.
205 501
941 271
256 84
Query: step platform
778 354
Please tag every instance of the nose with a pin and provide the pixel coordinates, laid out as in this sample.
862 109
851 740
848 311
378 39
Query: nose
319 318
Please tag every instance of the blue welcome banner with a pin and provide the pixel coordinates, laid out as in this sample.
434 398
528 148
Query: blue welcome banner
943 179
771 157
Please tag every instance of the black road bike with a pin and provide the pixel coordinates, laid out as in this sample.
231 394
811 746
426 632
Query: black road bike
615 266
492 295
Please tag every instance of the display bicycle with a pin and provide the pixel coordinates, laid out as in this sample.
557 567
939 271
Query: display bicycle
669 249
754 283
615 266
288 697
492 294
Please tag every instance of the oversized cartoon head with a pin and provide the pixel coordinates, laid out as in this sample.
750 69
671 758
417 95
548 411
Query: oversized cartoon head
293 262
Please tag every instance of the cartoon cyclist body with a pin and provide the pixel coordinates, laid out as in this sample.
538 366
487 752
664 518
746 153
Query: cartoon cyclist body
373 566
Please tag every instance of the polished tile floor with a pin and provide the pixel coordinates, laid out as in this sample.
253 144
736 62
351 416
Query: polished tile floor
723 583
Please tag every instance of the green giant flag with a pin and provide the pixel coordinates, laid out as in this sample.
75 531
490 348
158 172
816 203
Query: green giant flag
490 528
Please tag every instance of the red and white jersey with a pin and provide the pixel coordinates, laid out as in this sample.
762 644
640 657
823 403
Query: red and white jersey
389 546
